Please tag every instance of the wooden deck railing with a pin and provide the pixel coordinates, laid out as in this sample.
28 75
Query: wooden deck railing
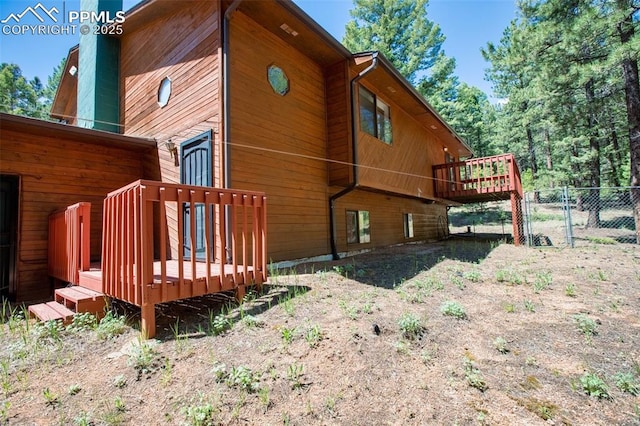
145 216
69 236
485 175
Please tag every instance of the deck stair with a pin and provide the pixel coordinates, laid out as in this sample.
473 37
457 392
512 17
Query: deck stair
68 302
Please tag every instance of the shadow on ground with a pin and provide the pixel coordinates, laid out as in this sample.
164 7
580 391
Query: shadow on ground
390 266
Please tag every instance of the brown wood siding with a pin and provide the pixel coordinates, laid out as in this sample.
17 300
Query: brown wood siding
183 46
405 166
339 125
291 133
387 220
55 173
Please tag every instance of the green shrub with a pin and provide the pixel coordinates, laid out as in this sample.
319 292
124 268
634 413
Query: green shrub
410 325
453 309
594 386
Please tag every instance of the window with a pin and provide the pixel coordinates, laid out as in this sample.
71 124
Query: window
278 80
164 92
375 116
358 227
408 225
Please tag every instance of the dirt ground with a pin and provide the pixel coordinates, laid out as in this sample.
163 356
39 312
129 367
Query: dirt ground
463 331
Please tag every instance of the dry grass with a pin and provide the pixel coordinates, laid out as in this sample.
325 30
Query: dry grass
359 341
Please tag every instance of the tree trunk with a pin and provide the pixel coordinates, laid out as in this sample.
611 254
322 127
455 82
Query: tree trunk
532 161
547 153
632 97
593 200
612 156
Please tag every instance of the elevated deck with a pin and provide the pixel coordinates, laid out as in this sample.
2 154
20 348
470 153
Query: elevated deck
481 180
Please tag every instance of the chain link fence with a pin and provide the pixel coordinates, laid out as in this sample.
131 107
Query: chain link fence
559 217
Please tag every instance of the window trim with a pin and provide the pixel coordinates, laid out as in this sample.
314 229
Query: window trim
378 106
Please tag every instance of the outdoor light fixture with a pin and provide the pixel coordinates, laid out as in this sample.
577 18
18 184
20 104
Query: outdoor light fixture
446 149
171 147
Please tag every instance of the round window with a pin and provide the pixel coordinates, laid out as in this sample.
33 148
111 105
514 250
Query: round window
164 92
278 80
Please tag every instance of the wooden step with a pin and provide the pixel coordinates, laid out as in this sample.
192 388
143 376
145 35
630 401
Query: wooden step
91 279
51 311
80 299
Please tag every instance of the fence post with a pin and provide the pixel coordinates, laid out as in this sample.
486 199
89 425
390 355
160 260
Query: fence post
566 210
527 219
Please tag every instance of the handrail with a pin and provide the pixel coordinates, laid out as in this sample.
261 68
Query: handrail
498 173
69 242
147 217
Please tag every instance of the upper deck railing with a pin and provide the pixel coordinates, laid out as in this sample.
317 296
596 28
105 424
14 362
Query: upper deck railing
69 239
476 178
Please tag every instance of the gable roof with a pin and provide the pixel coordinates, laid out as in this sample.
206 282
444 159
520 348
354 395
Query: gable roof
289 22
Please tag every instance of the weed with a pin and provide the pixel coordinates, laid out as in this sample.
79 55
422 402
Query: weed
474 276
119 404
543 409
601 240
410 326
402 347
50 398
594 386
501 345
50 329
453 309
82 322
252 321
473 375
294 374
143 358
289 307
586 325
83 419
509 276
349 310
570 290
287 334
263 396
119 381
111 325
242 377
219 371
218 324
4 412
313 336
626 382
509 308
531 361
367 308
529 306
458 282
202 414
531 383
543 280
74 389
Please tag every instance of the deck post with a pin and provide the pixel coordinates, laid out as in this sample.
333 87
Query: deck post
148 320
516 218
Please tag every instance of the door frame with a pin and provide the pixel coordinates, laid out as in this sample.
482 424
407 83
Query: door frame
14 242
207 139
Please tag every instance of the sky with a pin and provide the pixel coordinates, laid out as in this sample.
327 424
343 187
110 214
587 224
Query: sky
468 25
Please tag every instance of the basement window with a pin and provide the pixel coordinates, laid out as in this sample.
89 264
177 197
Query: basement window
408 225
164 92
375 116
358 227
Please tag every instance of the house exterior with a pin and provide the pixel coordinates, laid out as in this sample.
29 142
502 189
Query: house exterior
301 146
238 95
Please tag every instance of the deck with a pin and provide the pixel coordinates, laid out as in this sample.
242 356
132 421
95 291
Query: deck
149 231
481 180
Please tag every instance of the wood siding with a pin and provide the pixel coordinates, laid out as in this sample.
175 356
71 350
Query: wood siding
182 45
386 215
339 125
278 143
405 166
55 173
